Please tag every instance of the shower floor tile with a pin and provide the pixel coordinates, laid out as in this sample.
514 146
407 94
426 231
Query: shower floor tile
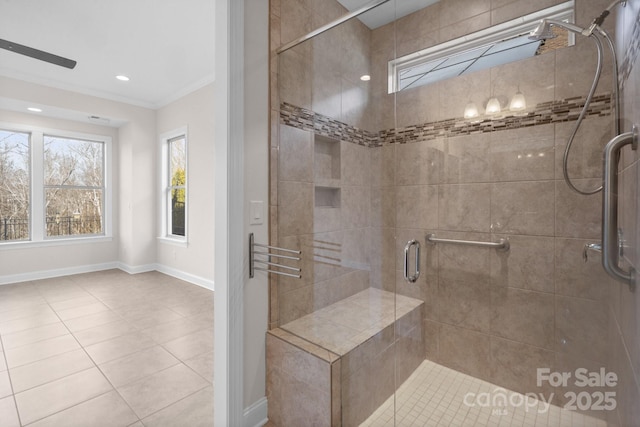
434 395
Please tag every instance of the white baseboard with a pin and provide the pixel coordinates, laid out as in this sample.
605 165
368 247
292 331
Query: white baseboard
59 272
187 277
136 269
256 414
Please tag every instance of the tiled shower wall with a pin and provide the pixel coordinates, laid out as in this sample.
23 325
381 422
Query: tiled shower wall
332 233
497 316
625 305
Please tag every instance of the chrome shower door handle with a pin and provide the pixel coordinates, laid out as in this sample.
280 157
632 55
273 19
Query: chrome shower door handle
414 277
610 238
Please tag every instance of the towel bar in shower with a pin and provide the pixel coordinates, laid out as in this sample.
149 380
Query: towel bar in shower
295 271
501 245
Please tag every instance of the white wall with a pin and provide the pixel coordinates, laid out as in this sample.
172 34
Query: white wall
195 111
19 262
256 179
135 183
137 192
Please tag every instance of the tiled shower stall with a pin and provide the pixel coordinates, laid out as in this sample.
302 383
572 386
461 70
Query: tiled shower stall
357 172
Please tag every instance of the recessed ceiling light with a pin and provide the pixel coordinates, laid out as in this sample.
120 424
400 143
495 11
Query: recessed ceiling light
122 78
35 110
365 78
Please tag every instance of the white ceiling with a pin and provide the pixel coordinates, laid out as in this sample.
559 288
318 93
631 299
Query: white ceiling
166 47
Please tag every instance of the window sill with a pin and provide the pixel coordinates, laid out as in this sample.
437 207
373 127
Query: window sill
183 243
28 244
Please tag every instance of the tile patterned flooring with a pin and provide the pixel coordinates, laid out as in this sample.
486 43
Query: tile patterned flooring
434 395
106 349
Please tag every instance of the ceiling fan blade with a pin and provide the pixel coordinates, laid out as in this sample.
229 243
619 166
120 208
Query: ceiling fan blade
37 54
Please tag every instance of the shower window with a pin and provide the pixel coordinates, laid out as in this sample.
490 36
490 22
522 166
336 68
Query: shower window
497 45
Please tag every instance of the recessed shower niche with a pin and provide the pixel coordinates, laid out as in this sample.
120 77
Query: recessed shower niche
326 160
326 167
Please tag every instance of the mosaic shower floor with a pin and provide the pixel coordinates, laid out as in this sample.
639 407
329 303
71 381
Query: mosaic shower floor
434 395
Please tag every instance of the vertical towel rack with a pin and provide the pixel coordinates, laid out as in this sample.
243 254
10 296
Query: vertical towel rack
266 261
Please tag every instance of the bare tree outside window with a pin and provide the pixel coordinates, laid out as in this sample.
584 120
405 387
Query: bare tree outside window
14 185
177 193
74 186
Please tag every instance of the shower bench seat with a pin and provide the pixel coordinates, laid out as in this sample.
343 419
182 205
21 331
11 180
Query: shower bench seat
336 365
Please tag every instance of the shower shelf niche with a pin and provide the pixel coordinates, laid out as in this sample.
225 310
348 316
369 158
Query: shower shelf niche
326 172
326 160
327 197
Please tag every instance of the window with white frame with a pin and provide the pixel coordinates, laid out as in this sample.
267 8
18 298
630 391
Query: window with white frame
15 186
54 185
73 186
174 174
493 46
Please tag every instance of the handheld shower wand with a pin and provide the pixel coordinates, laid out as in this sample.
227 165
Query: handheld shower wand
542 32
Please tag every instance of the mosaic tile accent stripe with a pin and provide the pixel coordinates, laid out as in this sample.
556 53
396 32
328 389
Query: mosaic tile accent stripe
320 124
548 112
631 54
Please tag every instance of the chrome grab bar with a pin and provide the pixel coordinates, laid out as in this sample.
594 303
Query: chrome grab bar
267 262
414 277
611 243
501 245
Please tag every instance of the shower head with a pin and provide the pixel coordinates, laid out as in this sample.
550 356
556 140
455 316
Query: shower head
543 30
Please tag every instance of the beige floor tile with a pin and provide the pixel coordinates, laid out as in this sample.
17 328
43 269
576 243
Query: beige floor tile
138 365
40 350
119 347
5 385
8 413
105 332
91 321
191 308
11 303
194 410
25 323
65 294
47 399
154 318
205 316
83 310
162 389
74 302
138 308
191 345
107 410
57 382
21 313
52 368
33 335
175 329
203 365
